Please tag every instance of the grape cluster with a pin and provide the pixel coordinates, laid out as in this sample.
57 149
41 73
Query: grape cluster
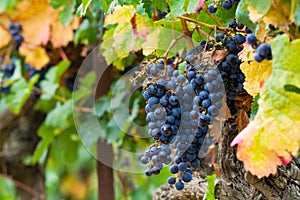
182 107
263 51
232 75
163 114
179 110
15 30
8 71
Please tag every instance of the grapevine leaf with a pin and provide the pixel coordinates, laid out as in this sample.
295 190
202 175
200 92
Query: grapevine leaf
160 5
85 5
254 107
65 14
256 73
86 33
292 88
57 38
20 92
36 57
85 86
261 7
36 17
191 6
242 15
148 6
47 134
5 37
51 81
66 146
102 105
5 4
58 117
88 134
266 142
297 15
210 189
176 7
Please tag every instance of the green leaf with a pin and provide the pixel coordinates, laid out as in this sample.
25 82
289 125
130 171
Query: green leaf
85 5
148 6
51 81
86 86
90 131
292 88
210 193
7 4
297 14
106 47
66 147
242 15
261 6
20 92
254 106
192 5
8 190
176 7
47 135
58 117
87 32
160 5
278 114
102 105
66 14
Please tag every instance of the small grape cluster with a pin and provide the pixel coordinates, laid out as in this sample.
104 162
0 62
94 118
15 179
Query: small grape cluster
263 51
8 71
232 75
226 5
31 72
15 31
163 114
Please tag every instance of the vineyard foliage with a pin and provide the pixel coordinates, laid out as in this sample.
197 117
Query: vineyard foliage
59 33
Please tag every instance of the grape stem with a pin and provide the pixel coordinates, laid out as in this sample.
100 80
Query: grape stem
62 53
209 26
200 31
204 8
287 32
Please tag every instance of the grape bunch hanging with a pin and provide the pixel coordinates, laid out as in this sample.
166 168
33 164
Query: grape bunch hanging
183 106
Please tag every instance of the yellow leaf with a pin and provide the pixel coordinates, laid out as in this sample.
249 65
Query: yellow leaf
269 140
151 42
258 158
36 17
36 57
120 16
5 37
61 35
256 73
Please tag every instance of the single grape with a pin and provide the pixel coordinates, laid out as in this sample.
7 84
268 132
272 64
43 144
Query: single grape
174 169
227 4
171 180
179 185
212 8
186 177
182 166
251 39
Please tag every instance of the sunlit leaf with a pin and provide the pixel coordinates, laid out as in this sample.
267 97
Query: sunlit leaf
256 73
268 140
